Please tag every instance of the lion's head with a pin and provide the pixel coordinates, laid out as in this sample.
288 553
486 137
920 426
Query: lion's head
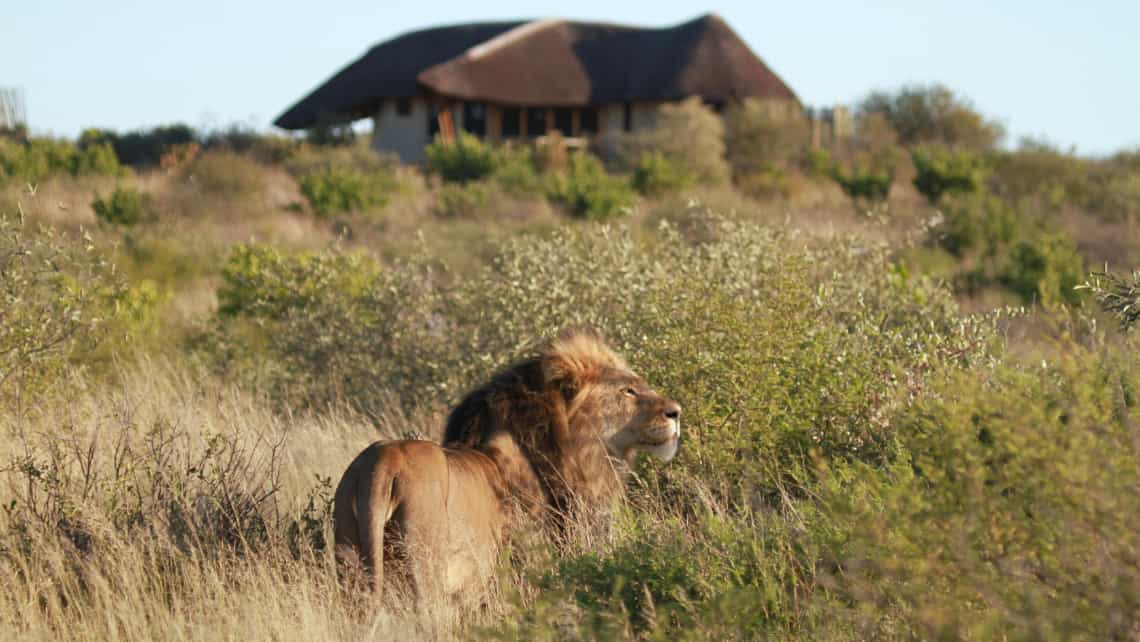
565 424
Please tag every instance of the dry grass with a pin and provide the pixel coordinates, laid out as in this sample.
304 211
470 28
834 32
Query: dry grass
95 450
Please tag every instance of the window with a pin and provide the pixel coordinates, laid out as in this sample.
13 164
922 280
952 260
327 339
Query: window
536 121
475 118
627 117
512 122
564 121
403 106
433 121
588 120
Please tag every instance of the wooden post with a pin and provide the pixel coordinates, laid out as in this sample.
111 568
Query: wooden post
446 126
494 122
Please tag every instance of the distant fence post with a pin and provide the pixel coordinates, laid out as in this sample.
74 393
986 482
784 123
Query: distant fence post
13 113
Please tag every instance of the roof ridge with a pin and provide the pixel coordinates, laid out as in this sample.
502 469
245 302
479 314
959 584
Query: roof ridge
511 35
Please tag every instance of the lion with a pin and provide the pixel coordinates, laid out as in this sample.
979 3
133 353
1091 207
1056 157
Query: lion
542 438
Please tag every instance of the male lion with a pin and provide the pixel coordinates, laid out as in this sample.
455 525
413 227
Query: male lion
546 435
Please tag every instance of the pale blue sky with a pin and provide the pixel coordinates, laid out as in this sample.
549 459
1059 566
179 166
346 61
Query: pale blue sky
1065 70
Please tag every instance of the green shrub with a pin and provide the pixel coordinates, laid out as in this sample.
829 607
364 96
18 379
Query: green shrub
141 148
939 172
587 191
58 296
1117 295
333 191
764 134
465 159
767 183
335 326
266 148
1045 268
1040 176
984 224
457 201
328 327
311 159
860 182
226 174
690 135
39 158
125 206
932 115
516 174
655 174
96 160
1014 500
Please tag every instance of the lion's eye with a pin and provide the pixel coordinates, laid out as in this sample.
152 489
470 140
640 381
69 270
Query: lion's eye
631 392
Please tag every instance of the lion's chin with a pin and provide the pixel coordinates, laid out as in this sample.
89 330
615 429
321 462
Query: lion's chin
664 452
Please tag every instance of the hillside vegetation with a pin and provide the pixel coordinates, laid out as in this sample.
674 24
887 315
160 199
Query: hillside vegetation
909 382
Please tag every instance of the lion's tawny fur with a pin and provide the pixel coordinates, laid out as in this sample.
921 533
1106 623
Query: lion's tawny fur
548 435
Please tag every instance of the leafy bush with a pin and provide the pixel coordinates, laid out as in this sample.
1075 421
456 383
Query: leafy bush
516 174
332 191
939 172
986 224
455 201
58 297
465 159
266 148
333 326
310 159
324 328
39 158
125 206
587 191
1047 267
760 135
767 183
141 148
688 134
932 115
861 182
655 175
1118 295
226 174
1040 176
1014 500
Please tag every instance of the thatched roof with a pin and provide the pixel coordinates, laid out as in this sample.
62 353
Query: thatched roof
546 62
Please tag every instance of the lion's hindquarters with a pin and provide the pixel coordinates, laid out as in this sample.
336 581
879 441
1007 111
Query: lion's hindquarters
391 514
362 507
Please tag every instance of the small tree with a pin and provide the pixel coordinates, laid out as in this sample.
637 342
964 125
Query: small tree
688 134
932 114
759 137
125 206
655 174
939 171
466 159
57 297
587 191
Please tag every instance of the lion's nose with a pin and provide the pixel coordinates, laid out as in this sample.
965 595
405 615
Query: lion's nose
673 410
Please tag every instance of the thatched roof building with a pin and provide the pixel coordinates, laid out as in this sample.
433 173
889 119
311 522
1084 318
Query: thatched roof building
567 74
